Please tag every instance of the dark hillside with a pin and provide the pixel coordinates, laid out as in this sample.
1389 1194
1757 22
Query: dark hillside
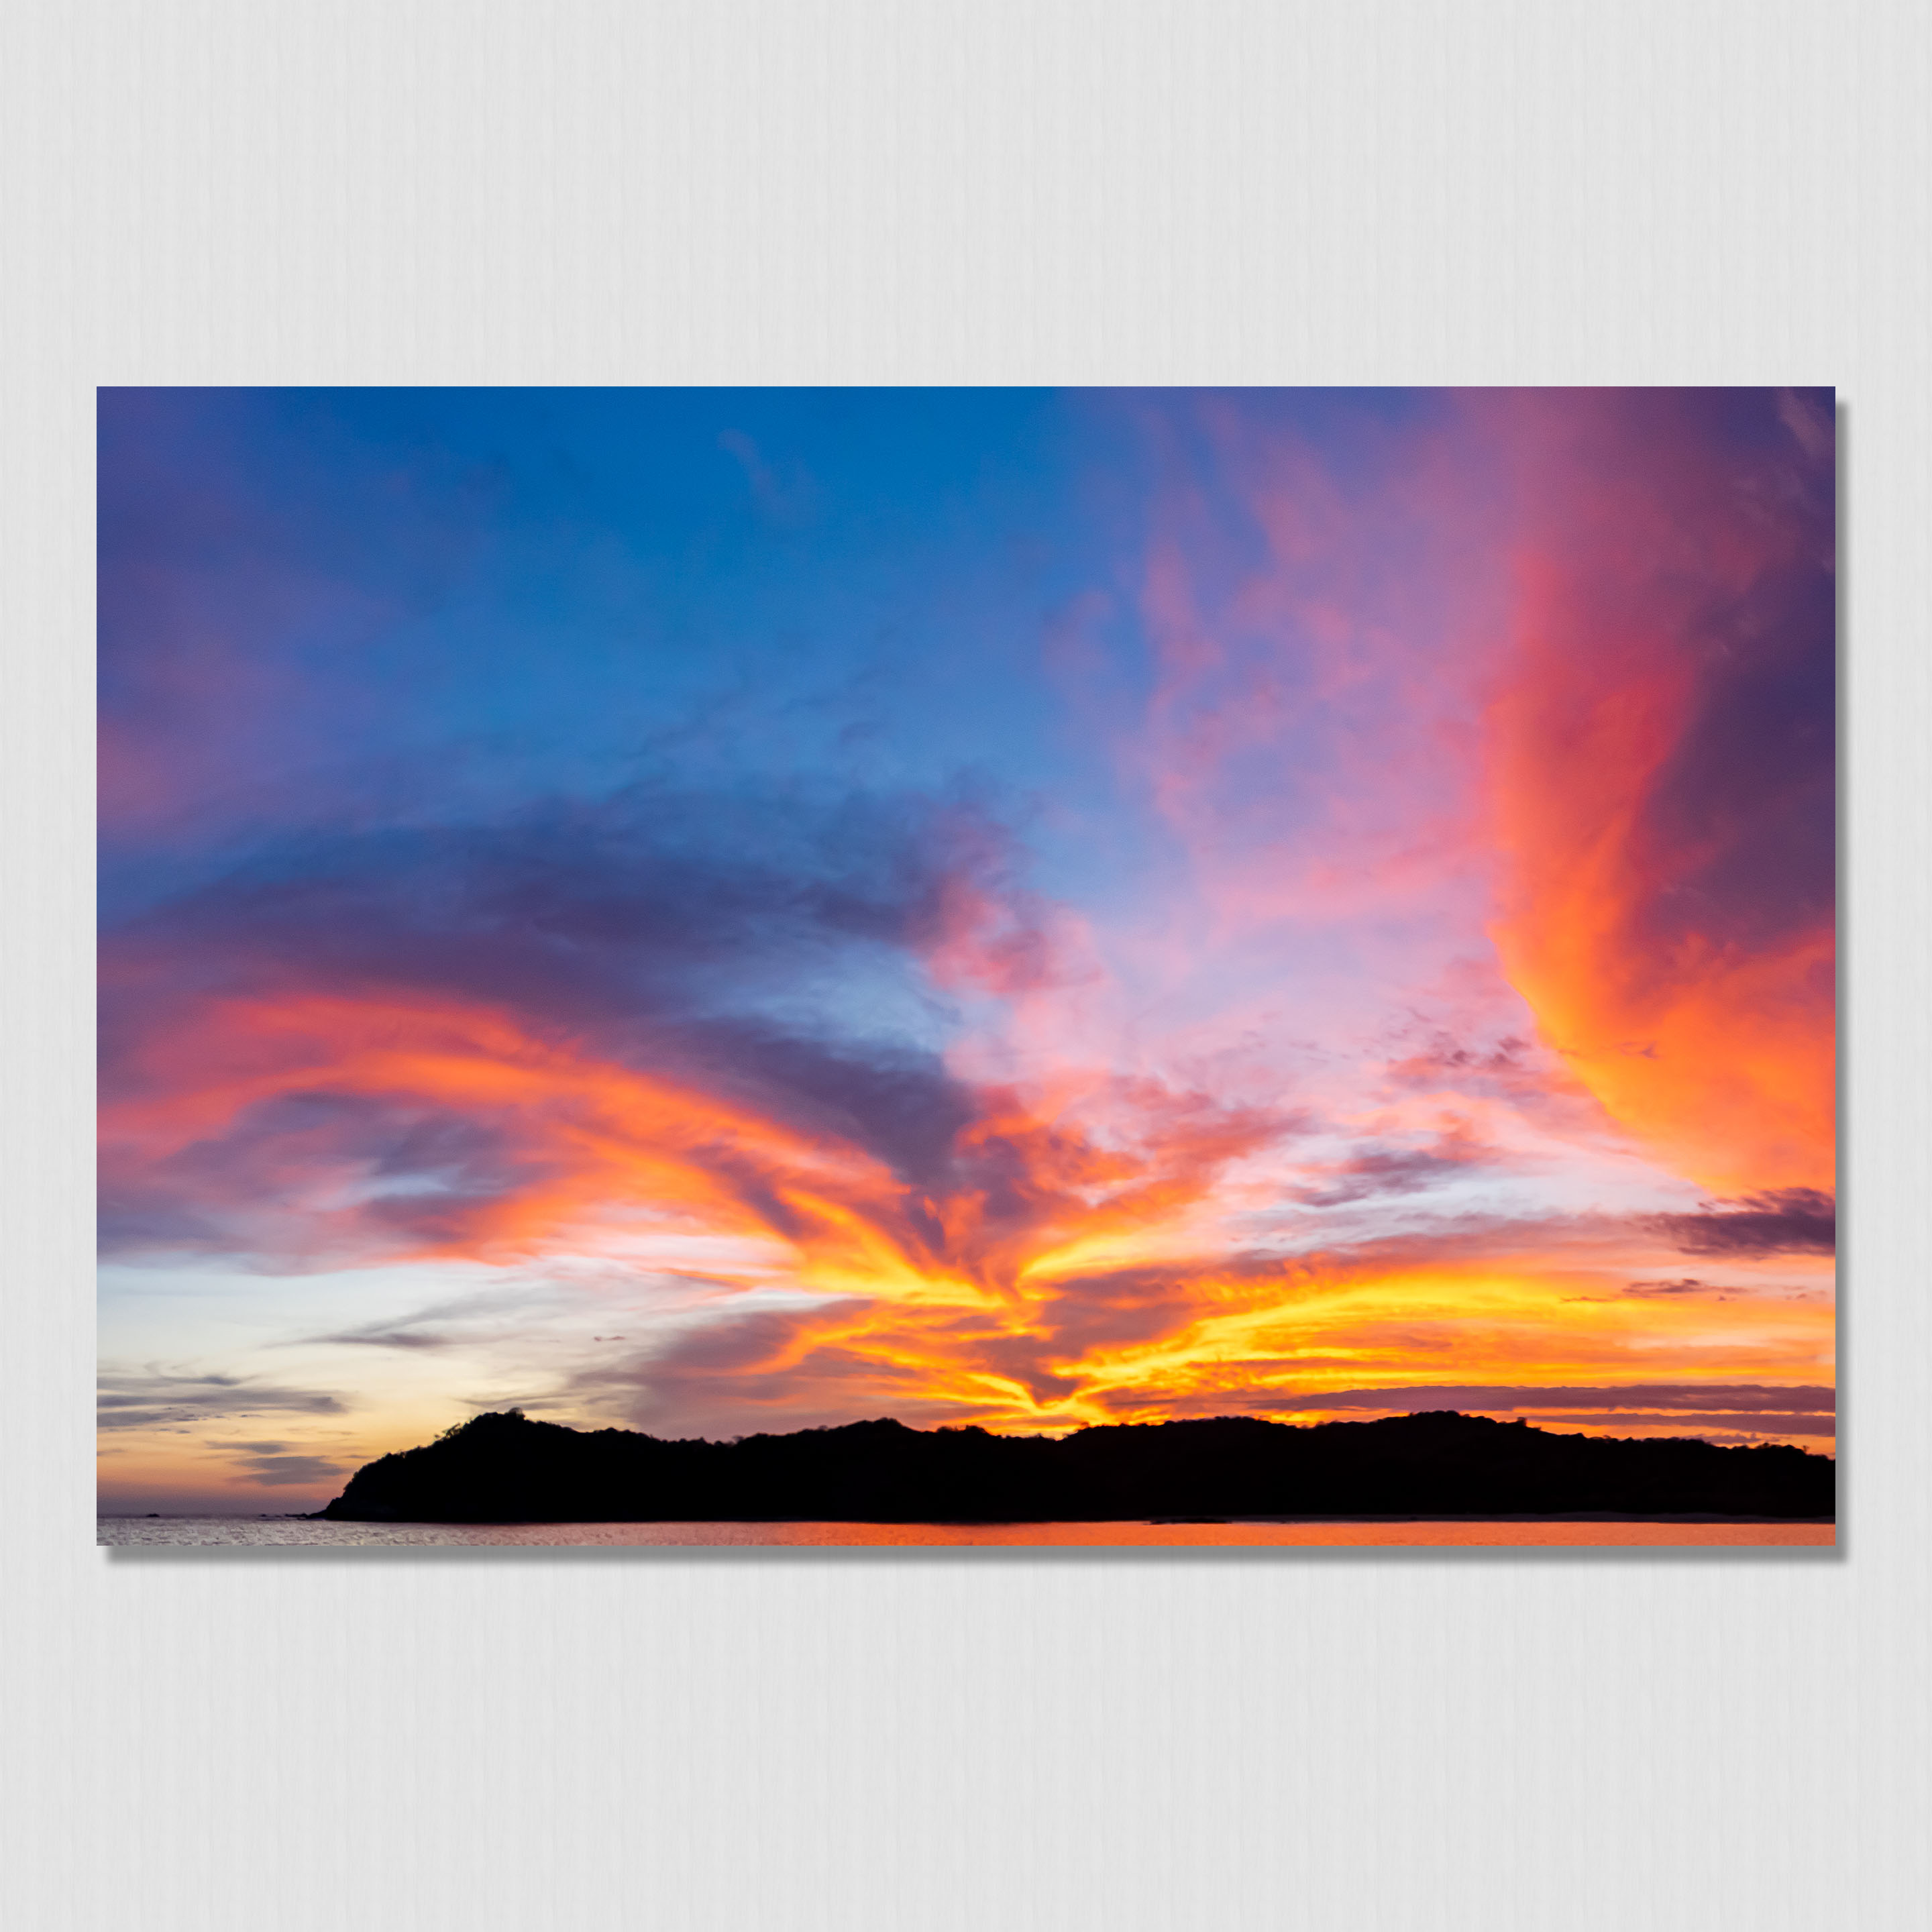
506 1469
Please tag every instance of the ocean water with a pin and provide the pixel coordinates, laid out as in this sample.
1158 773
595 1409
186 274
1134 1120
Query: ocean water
135 1532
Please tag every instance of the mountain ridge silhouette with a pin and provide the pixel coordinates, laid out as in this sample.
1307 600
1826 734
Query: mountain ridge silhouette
503 1467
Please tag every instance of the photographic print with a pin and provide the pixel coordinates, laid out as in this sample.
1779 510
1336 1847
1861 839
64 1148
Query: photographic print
915 966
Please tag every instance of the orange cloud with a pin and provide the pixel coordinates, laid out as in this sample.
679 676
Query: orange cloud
594 1156
1660 770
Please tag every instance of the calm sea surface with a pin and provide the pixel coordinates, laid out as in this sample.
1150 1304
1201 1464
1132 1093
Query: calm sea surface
123 1531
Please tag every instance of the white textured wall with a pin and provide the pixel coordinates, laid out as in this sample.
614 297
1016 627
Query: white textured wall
376 191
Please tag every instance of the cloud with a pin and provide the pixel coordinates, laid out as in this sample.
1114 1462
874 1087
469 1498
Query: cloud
1661 759
281 1470
666 1016
161 1400
1227 1330
651 907
1784 1221
1380 1169
1509 1067
768 956
1760 1423
1726 1396
377 1335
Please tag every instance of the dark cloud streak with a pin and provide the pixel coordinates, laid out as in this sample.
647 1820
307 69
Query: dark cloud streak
1705 1396
158 1400
1787 1221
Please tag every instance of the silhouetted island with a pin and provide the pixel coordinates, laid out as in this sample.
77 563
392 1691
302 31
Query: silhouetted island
506 1469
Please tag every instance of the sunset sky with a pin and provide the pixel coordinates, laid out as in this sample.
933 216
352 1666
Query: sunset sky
715 911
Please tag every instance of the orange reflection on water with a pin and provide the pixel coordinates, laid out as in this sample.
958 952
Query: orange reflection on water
126 1532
